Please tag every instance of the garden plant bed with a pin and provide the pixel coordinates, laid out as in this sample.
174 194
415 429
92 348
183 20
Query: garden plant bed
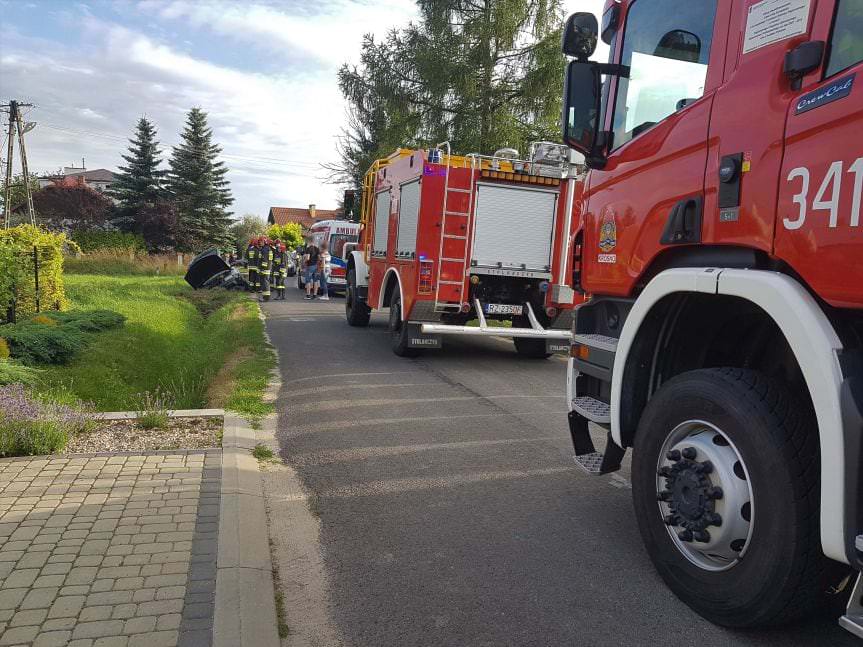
127 435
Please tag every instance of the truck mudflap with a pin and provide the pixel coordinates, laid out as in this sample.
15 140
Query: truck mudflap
535 331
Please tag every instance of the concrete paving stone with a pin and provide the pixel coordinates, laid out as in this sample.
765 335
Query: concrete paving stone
131 528
168 621
52 639
66 550
40 598
6 568
201 586
160 607
196 638
88 560
6 614
59 624
100 586
10 555
96 547
73 541
128 583
49 581
32 560
135 560
46 538
140 625
89 614
82 575
112 641
124 611
76 589
144 595
109 597
98 629
16 635
156 547
56 569
120 571
171 592
105 535
182 545
61 558
20 578
120 540
174 567
112 560
143 538
155 639
28 617
158 581
151 569
75 534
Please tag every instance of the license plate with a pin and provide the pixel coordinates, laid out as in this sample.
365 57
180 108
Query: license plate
502 309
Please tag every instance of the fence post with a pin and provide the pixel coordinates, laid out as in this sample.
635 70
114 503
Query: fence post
36 275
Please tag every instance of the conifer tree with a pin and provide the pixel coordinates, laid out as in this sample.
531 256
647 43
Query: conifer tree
140 183
197 183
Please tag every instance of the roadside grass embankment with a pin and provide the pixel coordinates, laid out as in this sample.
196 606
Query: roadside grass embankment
175 341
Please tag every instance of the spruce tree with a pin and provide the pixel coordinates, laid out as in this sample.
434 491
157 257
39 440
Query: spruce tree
199 188
140 183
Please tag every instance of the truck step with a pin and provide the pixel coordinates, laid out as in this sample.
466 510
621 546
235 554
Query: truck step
592 409
586 456
590 463
601 342
853 619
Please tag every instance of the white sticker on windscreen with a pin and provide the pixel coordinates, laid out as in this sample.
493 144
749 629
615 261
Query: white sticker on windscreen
770 21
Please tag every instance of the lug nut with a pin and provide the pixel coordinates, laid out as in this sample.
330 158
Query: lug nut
673 455
714 519
702 535
690 453
715 493
685 535
705 467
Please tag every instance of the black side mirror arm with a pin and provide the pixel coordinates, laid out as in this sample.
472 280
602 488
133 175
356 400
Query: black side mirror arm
801 60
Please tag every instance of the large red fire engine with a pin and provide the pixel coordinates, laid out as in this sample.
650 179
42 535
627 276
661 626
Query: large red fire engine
446 239
723 337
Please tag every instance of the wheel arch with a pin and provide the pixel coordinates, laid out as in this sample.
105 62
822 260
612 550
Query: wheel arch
787 306
391 282
357 262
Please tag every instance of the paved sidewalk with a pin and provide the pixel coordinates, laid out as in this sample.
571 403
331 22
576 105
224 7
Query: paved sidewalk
104 551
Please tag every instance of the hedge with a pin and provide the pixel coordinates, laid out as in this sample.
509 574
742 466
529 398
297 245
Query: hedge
17 270
120 241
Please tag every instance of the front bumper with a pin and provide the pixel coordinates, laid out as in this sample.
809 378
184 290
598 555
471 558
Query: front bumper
535 331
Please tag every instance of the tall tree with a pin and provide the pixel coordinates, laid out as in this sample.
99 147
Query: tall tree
199 187
482 74
140 182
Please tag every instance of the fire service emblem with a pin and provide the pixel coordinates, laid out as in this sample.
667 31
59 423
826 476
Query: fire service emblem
608 234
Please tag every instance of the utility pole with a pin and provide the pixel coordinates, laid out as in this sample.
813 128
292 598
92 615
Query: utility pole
16 125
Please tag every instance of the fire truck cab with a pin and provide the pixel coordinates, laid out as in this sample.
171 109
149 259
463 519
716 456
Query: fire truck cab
447 239
723 337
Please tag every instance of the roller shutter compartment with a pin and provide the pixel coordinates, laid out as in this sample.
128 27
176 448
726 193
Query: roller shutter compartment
514 227
382 221
409 209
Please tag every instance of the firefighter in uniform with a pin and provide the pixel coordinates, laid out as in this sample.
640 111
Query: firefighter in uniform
282 264
264 267
252 263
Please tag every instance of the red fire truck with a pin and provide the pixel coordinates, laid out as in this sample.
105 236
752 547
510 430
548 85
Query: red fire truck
723 337
447 239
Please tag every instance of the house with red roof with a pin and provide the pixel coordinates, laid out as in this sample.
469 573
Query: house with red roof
305 217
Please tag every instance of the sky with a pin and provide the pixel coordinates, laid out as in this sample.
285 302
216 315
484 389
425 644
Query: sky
264 71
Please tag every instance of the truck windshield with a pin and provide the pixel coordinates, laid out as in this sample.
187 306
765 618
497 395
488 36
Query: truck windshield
667 46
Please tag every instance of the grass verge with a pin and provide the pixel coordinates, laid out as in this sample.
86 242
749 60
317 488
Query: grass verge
175 341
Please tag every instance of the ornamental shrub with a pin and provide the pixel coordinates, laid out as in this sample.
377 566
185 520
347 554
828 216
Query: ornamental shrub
4 349
13 373
94 240
17 270
29 427
44 320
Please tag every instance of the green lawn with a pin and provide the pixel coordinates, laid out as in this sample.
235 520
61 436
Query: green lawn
168 343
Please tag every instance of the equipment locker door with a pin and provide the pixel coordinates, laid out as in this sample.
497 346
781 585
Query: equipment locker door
659 119
819 226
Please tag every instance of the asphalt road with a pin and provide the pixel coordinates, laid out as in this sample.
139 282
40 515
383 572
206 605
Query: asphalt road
451 511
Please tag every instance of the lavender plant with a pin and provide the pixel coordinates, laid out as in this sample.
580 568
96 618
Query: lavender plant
29 427
153 410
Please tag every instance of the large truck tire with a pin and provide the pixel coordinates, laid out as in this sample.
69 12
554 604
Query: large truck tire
527 346
725 478
357 312
399 330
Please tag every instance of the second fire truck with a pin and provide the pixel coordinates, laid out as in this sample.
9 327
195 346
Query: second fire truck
447 239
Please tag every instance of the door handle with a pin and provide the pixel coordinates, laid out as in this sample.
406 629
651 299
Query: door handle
683 226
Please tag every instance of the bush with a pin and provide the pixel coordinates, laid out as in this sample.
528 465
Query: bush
152 410
291 234
14 373
33 342
17 283
112 241
29 427
4 349
113 263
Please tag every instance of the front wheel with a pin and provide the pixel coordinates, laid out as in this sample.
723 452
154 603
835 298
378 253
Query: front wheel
300 284
399 330
528 346
725 475
357 311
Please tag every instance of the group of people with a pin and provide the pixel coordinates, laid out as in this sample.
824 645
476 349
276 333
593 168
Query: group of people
267 261
316 270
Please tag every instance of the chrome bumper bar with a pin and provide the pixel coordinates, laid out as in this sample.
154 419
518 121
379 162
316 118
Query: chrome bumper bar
535 330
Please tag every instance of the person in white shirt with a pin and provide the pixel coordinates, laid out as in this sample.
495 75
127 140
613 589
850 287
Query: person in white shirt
324 270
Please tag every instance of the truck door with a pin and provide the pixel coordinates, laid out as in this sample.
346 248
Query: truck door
658 120
819 228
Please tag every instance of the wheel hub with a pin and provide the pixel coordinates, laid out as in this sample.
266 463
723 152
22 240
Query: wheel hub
704 495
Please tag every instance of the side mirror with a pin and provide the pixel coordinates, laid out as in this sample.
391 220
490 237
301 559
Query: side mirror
579 35
581 108
609 23
801 60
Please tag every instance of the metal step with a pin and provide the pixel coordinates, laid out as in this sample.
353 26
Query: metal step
853 619
601 342
460 214
590 463
592 409
451 190
454 237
